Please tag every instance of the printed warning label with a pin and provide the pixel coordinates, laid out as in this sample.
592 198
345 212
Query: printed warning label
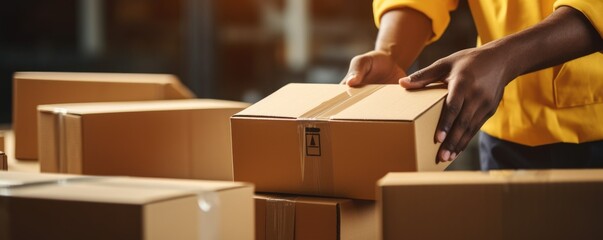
313 141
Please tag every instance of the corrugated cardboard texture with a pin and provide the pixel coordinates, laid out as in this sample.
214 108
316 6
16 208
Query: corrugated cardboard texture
315 218
36 88
126 208
542 204
337 143
170 138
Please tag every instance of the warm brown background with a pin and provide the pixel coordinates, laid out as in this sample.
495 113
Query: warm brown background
229 49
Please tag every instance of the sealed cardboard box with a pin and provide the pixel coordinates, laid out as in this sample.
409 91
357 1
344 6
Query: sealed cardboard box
331 140
300 217
36 88
167 138
124 208
3 161
539 204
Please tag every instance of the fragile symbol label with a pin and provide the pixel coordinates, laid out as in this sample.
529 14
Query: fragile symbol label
312 141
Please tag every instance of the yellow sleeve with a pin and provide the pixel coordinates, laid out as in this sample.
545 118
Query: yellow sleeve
436 10
592 10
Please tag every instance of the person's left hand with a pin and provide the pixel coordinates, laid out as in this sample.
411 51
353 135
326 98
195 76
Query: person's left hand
476 79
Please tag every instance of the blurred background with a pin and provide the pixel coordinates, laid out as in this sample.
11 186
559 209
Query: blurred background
228 49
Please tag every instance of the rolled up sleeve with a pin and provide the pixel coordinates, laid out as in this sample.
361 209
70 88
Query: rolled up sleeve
592 10
436 10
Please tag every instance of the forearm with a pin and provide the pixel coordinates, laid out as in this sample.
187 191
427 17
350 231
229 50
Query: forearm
403 34
565 35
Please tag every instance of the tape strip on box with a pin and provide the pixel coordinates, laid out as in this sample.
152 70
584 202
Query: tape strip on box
60 139
314 136
280 219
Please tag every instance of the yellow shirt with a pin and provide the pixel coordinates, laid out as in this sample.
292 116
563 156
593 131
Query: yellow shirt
558 104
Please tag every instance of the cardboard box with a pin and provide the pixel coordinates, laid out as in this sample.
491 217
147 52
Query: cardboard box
298 218
330 140
168 138
2 143
36 88
3 161
545 204
124 208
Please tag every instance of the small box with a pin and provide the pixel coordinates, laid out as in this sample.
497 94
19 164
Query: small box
3 161
537 204
33 206
167 138
331 140
300 217
36 88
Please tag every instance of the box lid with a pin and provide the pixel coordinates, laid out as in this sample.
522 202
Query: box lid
140 106
392 102
8 179
123 190
339 102
97 77
491 177
174 89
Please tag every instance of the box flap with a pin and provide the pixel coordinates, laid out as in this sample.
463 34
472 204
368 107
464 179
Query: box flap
392 102
177 90
437 178
140 106
98 77
339 102
294 100
8 179
122 190
191 185
491 177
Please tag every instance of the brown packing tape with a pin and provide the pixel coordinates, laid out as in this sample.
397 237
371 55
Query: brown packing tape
280 219
316 156
315 139
60 139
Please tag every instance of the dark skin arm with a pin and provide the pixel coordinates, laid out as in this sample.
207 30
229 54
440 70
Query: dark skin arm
402 35
476 77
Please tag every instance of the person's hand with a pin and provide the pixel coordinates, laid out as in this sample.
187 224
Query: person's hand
476 79
372 68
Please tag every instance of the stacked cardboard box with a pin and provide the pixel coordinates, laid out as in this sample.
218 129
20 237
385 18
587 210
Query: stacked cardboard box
538 204
281 216
52 206
36 88
329 140
168 138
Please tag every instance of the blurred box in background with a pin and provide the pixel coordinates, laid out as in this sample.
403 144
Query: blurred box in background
36 206
168 138
539 204
36 88
281 216
3 161
2 141
332 140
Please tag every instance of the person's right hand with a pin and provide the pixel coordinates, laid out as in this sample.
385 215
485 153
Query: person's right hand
374 67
